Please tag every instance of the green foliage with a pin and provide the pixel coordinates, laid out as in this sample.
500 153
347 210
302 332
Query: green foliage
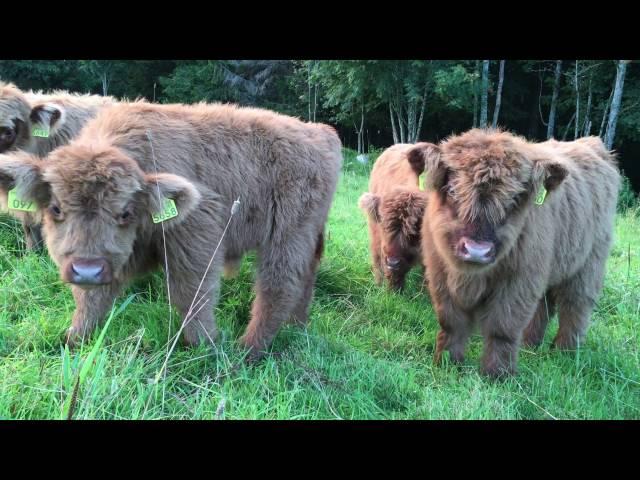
627 199
454 85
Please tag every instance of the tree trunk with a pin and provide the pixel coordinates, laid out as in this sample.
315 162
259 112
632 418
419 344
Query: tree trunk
393 125
476 96
496 109
554 100
485 94
604 114
105 83
315 101
587 121
361 133
615 104
566 130
577 124
309 88
424 103
402 124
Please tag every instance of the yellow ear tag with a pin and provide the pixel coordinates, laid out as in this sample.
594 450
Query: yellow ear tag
169 211
40 131
542 194
421 180
15 203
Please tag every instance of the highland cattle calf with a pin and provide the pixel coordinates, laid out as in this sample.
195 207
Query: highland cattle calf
37 123
513 230
147 184
394 206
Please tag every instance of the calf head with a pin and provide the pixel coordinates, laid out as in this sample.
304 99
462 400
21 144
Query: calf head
480 186
18 117
96 203
399 215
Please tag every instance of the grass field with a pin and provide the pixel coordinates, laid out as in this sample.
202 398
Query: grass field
365 355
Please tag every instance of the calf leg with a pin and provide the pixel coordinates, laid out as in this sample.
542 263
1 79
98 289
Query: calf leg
92 305
300 314
534 333
198 320
455 324
503 324
282 287
576 299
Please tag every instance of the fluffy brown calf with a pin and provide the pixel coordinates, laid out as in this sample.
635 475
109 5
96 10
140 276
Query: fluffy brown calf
55 118
495 247
99 192
394 206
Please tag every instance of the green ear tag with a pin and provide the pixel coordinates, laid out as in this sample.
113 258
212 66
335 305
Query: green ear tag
421 180
40 131
542 194
169 211
15 203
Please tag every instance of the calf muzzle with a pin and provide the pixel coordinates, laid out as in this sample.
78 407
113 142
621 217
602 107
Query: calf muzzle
84 271
474 251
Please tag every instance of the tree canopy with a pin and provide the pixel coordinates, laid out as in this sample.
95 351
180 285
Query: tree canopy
375 103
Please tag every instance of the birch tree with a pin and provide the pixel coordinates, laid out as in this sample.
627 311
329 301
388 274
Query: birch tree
484 93
496 110
616 101
554 100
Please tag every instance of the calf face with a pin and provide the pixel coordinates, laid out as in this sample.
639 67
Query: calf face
95 202
18 116
481 191
398 218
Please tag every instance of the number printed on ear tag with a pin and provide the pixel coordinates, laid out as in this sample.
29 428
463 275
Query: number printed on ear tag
15 203
542 194
40 131
169 211
421 180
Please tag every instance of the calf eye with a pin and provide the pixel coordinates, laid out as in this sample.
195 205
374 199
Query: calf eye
125 218
55 212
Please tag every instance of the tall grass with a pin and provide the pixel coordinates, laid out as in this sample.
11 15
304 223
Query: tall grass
366 353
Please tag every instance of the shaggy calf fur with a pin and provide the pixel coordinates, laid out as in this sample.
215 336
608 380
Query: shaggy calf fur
63 114
394 206
99 192
500 254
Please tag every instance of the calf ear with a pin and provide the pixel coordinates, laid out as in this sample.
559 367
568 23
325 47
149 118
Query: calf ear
163 186
417 206
555 174
426 157
23 172
550 174
370 203
49 116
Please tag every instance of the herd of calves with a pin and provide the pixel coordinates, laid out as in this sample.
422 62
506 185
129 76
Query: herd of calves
507 230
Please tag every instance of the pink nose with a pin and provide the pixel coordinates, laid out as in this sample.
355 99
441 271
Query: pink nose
476 252
84 271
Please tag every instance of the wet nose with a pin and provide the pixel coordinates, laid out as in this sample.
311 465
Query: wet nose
475 251
393 262
85 271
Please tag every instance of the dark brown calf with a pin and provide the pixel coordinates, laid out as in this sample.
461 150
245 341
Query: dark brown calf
394 206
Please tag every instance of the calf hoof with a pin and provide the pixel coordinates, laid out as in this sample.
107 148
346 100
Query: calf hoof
531 342
565 344
197 338
498 372
72 337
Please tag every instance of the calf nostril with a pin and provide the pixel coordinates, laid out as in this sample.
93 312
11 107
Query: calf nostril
393 262
87 270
